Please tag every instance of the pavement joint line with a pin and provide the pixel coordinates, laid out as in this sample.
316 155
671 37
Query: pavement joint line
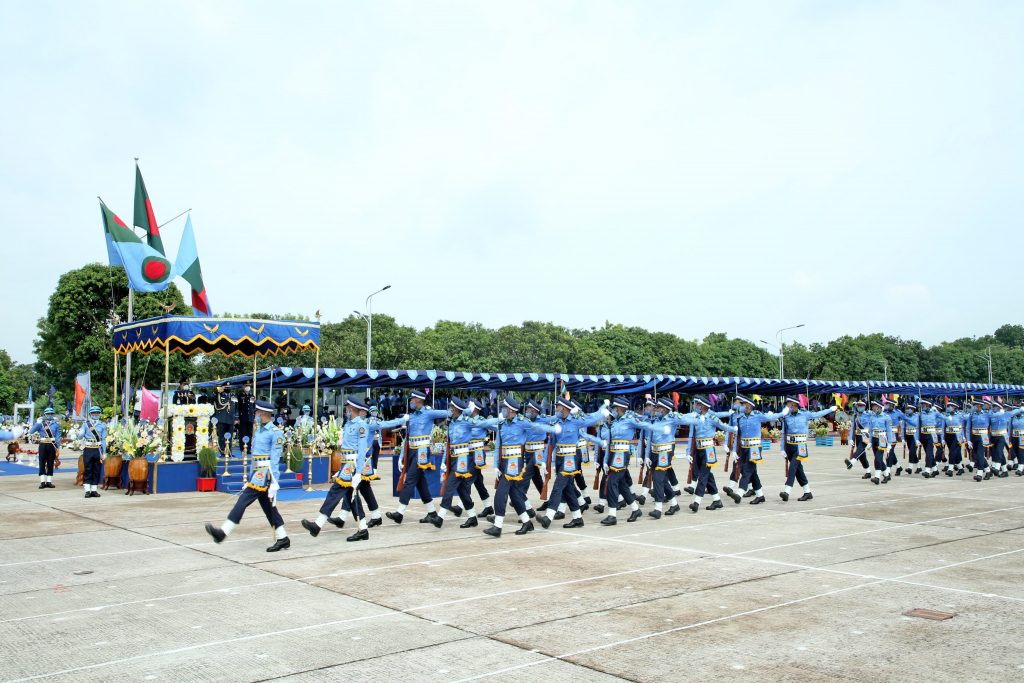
832 570
578 539
708 622
194 546
409 610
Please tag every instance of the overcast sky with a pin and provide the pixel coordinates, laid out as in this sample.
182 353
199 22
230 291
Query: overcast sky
685 167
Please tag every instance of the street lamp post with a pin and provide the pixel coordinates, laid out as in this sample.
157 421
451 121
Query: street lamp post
369 329
778 335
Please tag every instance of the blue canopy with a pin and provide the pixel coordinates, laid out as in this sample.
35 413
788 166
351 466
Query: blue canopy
226 336
302 378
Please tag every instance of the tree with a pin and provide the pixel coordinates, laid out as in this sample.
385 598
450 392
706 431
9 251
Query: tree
75 335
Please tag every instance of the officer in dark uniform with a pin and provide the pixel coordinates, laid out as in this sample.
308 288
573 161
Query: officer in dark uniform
224 411
184 396
246 414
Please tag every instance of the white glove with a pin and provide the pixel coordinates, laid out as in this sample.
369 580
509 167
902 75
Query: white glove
604 443
272 491
666 430
558 429
444 466
401 464
647 462
605 412
606 469
356 479
497 472
543 470
606 403
574 411
835 409
16 432
405 419
688 459
728 451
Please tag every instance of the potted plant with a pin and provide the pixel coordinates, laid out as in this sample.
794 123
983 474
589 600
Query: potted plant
437 438
207 479
295 458
844 431
719 438
774 434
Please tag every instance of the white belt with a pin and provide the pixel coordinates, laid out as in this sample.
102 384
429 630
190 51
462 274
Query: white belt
879 433
534 446
476 444
750 442
998 432
419 441
661 447
620 445
92 444
979 432
460 448
704 442
511 451
566 448
796 438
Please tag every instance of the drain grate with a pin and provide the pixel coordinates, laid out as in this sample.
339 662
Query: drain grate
930 614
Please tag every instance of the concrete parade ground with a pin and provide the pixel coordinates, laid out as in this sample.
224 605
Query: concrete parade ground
132 588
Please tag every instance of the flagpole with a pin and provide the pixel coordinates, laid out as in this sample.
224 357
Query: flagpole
316 409
128 356
117 406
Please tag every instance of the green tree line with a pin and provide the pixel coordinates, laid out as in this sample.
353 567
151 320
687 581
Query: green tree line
74 336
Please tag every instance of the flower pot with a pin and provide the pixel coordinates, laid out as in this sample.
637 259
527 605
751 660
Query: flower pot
335 461
206 483
112 472
298 476
80 478
138 474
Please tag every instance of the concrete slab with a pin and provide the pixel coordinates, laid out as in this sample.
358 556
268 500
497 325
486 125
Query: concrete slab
132 587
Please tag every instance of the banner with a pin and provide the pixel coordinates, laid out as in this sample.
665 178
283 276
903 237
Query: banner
83 396
150 409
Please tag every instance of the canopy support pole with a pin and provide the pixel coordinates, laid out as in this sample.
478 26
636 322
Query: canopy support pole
166 394
316 409
117 406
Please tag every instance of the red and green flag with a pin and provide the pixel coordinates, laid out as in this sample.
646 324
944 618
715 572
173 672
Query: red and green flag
147 269
186 265
144 217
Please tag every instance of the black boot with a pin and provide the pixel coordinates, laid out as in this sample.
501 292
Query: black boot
526 528
531 513
493 531
311 527
437 521
689 490
867 475
694 506
395 517
559 515
641 499
609 521
218 534
374 521
543 506
784 496
455 510
599 509
806 496
338 522
42 484
635 515
849 465
672 510
487 511
281 544
545 521
429 518
749 493
574 524
360 535
654 514
736 498
468 523
715 505
758 500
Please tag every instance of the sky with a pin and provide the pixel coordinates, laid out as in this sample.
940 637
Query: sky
686 167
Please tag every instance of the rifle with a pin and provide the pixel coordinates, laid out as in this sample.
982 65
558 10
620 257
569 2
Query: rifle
447 458
547 470
405 462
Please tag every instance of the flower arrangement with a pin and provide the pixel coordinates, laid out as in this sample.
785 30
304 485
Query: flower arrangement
772 434
819 427
202 413
131 440
327 437
843 425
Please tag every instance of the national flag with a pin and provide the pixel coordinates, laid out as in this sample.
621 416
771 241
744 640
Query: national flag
144 217
49 394
150 409
147 269
83 396
30 394
186 264
803 399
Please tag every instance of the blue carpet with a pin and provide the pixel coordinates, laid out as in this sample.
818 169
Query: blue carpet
301 494
8 469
